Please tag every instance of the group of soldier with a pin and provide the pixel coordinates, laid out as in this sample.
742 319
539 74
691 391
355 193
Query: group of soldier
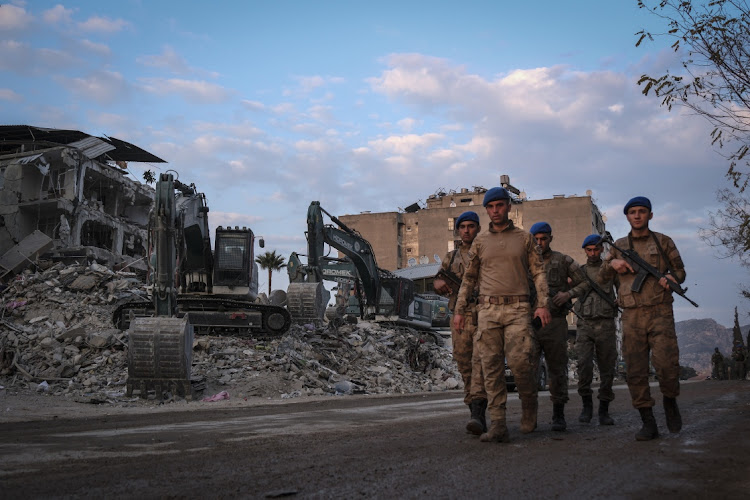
725 371
514 295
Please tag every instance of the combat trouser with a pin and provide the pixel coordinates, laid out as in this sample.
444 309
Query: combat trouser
553 340
467 360
596 337
504 331
650 329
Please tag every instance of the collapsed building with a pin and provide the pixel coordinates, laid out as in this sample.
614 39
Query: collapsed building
73 188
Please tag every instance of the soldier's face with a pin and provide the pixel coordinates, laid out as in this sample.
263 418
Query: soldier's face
638 217
467 231
593 252
543 240
498 211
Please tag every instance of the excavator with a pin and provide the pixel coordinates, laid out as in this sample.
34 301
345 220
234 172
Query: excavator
378 294
218 289
194 290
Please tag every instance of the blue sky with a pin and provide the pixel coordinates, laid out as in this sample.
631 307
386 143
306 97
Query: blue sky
267 106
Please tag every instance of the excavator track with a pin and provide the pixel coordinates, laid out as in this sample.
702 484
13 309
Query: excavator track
307 302
216 316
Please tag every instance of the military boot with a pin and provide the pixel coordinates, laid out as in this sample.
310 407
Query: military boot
604 418
649 430
674 419
529 408
498 432
558 417
478 424
588 409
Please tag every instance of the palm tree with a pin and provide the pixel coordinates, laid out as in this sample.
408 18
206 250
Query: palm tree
271 261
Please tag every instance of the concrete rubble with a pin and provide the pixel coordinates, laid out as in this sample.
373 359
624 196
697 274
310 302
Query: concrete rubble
57 338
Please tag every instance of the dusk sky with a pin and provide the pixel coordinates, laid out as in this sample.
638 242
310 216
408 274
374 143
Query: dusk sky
266 106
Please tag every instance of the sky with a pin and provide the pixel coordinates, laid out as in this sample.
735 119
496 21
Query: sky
373 106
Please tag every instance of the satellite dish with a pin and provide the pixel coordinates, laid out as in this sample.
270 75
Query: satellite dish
424 259
412 261
437 259
604 218
589 192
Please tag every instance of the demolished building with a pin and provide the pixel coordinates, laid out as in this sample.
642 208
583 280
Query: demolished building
73 187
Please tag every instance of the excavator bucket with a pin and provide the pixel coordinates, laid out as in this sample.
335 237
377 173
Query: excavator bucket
160 356
307 302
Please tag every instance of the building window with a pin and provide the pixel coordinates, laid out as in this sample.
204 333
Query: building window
408 249
451 223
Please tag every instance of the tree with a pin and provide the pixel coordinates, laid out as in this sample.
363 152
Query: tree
149 177
713 40
271 261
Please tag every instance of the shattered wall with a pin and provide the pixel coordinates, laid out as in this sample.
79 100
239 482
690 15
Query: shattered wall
77 201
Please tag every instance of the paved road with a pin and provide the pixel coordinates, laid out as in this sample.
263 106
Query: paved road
385 447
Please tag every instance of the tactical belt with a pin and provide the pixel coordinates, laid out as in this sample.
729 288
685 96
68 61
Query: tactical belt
505 299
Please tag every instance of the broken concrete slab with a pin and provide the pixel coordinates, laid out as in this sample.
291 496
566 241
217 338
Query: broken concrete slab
28 249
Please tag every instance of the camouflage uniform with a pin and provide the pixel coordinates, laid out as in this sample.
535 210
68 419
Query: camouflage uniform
553 338
718 361
468 363
500 262
596 334
647 318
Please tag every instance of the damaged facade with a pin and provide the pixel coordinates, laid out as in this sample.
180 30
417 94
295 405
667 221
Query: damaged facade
72 187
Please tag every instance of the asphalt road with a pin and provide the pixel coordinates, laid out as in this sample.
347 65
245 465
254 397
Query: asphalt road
411 446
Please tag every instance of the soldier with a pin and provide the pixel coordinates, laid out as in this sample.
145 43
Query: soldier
455 263
566 281
500 261
596 335
718 361
647 317
738 355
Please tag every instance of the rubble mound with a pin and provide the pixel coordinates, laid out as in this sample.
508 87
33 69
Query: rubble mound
57 338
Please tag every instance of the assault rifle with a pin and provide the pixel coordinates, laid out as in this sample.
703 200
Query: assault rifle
450 278
604 295
643 270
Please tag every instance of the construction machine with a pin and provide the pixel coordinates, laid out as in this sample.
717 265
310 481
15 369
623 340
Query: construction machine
218 289
378 295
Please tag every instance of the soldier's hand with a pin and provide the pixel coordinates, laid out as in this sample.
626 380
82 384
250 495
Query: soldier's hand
621 266
560 298
458 322
544 316
441 286
664 283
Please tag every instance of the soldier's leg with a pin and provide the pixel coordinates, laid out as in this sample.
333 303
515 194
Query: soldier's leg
522 352
463 343
556 353
585 351
606 358
635 350
584 347
476 392
490 345
665 354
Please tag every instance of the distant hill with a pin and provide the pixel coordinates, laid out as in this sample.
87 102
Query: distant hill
697 339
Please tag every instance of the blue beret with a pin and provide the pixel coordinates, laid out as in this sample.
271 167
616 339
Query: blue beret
638 201
467 216
494 194
592 239
540 227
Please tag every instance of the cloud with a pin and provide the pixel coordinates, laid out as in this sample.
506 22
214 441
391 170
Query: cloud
9 95
13 18
104 87
97 48
57 15
190 90
98 24
171 61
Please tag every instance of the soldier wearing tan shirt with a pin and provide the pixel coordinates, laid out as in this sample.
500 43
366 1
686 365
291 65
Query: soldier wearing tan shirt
456 261
647 317
500 261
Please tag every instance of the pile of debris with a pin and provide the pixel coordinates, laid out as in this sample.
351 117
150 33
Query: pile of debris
57 337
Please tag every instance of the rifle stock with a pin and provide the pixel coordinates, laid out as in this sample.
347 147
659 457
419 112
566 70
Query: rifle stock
643 269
